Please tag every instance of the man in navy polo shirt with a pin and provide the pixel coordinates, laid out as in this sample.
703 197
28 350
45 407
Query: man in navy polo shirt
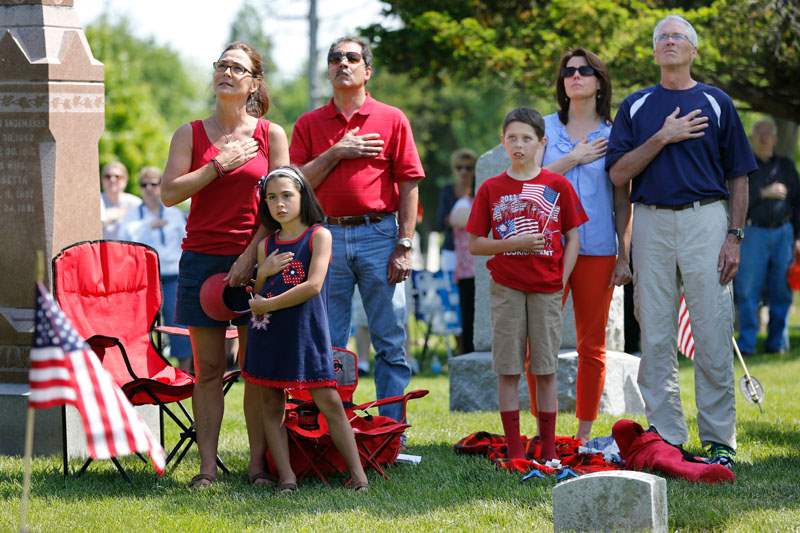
683 145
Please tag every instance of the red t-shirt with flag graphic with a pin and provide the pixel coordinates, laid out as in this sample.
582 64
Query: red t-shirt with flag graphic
509 207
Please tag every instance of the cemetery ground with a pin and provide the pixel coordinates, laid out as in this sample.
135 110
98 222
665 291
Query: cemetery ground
445 492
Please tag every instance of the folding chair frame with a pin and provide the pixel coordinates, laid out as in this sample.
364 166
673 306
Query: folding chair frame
188 432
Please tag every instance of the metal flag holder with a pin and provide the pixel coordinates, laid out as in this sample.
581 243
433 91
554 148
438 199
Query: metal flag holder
751 388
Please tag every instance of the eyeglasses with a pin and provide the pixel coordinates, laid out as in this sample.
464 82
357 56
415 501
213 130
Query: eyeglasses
677 37
236 69
336 58
148 185
583 70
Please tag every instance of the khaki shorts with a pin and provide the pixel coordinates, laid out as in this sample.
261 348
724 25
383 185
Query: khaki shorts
516 316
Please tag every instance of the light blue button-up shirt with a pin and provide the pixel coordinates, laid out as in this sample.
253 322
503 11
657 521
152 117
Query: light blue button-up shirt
596 192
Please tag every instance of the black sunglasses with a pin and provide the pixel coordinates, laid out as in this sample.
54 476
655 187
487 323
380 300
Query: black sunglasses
146 185
583 70
462 167
335 58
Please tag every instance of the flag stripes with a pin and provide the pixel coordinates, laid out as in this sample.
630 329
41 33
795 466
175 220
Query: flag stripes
685 338
64 370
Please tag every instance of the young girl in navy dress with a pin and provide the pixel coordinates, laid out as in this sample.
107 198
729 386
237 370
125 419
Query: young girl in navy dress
288 342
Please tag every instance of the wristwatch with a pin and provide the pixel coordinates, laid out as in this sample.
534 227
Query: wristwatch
736 232
405 243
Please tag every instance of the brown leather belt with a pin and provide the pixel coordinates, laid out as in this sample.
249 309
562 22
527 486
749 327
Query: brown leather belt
356 220
681 207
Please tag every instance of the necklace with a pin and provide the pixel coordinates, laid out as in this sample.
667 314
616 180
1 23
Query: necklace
227 136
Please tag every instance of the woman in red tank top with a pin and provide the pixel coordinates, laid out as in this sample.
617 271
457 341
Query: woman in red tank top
217 162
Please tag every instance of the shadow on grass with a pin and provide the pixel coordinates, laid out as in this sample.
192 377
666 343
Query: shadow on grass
442 480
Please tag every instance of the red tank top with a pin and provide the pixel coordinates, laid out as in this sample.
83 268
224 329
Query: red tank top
224 214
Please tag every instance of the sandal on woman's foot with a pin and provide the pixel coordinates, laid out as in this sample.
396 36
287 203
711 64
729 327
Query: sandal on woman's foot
260 479
201 481
286 488
360 486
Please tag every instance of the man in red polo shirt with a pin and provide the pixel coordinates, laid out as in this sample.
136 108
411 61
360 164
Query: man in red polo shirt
360 157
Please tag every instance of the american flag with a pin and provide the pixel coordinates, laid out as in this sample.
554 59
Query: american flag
685 339
541 195
64 370
517 226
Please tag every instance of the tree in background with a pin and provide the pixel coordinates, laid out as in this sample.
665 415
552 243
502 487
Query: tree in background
444 117
149 93
750 48
248 26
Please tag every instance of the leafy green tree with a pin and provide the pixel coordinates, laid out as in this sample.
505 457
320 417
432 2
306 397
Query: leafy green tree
149 93
750 48
248 26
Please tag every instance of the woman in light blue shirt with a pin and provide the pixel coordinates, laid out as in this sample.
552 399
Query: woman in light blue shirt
577 136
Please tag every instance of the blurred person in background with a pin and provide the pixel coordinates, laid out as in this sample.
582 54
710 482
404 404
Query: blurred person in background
463 162
770 243
114 201
162 228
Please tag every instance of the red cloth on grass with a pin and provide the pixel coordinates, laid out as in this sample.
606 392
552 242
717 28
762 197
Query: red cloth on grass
643 450
494 448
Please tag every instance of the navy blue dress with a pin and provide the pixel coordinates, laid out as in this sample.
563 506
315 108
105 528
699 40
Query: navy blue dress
291 347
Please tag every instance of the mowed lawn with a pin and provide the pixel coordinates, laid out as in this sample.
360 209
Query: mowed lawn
444 492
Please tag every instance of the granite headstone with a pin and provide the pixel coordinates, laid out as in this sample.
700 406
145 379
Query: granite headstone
51 119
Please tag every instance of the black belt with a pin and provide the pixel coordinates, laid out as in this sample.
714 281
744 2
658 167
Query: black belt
681 207
356 220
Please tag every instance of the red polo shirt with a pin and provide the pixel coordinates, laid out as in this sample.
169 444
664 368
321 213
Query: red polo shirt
363 185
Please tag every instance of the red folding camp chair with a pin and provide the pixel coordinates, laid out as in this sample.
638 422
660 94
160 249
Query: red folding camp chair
111 291
311 448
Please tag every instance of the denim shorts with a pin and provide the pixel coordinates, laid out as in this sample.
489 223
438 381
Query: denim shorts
194 269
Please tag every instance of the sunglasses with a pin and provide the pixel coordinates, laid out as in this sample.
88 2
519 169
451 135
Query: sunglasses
336 58
236 69
113 176
459 168
583 70
148 185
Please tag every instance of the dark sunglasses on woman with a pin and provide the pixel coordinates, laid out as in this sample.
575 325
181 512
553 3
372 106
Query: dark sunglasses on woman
583 70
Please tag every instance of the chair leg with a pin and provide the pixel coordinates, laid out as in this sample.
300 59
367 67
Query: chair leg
121 470
222 466
182 454
84 467
312 464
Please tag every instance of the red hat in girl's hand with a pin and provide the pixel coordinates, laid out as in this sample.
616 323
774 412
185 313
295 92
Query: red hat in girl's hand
222 302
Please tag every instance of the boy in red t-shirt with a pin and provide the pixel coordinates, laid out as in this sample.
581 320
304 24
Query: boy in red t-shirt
528 210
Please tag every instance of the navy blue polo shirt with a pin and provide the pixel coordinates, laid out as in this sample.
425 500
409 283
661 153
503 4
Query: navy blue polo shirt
694 169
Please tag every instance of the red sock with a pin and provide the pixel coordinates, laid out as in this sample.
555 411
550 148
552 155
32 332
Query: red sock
547 432
510 421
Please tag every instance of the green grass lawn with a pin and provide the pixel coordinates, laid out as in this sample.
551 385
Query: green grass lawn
444 492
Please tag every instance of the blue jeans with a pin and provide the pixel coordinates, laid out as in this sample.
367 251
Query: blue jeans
361 257
765 257
179 345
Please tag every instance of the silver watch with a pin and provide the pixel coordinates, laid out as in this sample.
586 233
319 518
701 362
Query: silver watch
405 242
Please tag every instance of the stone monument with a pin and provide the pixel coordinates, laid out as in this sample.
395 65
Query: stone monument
51 118
620 500
473 385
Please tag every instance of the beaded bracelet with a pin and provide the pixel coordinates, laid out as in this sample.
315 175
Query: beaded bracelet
218 167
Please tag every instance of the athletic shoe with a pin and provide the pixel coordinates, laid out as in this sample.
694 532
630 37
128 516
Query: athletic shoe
721 454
